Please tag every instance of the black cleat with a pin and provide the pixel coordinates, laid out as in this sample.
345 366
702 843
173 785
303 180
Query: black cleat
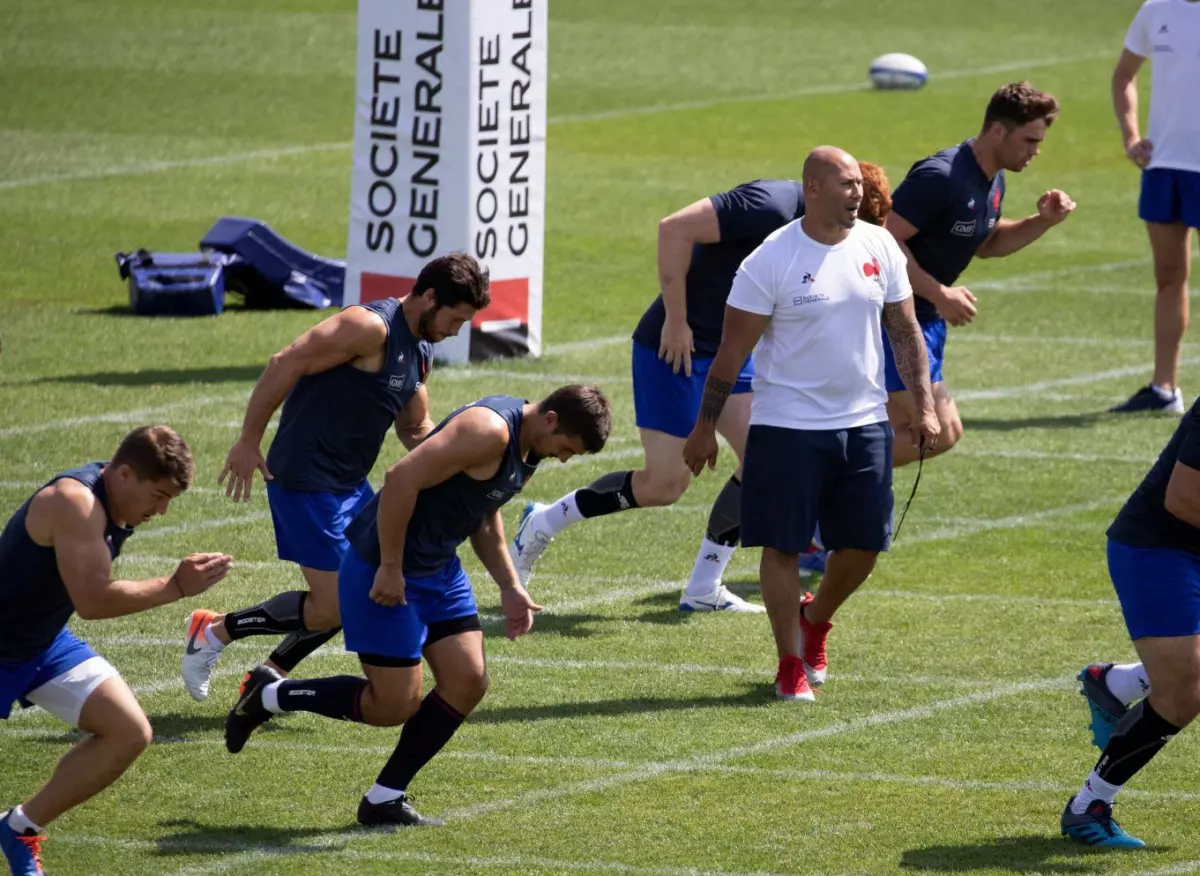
249 713
395 812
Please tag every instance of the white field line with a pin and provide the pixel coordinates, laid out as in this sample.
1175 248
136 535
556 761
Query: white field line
242 854
1173 870
1036 280
588 345
137 414
718 758
1011 786
1054 455
654 109
198 525
455 373
1013 522
1077 380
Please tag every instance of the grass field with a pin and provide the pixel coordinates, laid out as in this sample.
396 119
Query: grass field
620 736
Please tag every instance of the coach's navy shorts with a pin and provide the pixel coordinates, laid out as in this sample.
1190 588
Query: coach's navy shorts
1170 196
935 344
670 402
794 479
1158 588
395 635
310 528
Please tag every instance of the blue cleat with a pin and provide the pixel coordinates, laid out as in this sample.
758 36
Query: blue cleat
1148 399
1097 828
1107 710
814 563
22 851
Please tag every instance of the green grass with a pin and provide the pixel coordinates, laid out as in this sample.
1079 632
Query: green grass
621 736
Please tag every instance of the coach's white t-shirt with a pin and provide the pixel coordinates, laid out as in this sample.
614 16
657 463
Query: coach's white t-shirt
819 365
1168 33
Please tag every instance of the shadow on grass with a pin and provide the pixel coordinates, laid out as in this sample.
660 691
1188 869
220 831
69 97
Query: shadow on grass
1018 854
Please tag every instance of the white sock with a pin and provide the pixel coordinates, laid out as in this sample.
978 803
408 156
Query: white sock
20 823
1164 394
211 637
1128 682
561 514
380 794
1094 788
270 697
709 567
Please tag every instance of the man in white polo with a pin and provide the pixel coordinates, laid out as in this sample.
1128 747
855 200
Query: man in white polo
817 293
1169 32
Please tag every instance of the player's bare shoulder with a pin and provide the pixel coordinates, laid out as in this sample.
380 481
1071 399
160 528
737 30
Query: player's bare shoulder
66 505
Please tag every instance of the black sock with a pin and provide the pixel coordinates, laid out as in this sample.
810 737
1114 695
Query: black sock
725 519
1138 736
339 697
424 735
283 613
607 495
296 646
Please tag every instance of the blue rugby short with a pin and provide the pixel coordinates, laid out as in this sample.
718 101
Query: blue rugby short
669 402
310 528
935 343
1158 588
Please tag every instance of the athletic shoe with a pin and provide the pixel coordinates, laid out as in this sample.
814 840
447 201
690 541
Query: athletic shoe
249 713
1106 709
395 812
813 562
720 599
531 540
791 682
199 657
812 645
23 851
1148 399
1096 827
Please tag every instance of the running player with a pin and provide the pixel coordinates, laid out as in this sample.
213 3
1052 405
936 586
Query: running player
346 381
947 212
1154 562
699 250
56 555
404 593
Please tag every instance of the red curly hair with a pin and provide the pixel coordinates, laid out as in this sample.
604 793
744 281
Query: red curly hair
877 194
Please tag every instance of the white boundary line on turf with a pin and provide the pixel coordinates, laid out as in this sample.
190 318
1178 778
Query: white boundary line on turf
1077 380
198 525
691 764
118 416
1028 282
1020 786
282 152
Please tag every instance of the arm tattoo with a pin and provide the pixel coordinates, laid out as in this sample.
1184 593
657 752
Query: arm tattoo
908 348
716 392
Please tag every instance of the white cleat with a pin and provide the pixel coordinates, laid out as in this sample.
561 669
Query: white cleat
719 600
199 657
531 540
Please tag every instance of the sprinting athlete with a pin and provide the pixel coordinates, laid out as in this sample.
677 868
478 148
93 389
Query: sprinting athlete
699 250
404 594
56 556
343 384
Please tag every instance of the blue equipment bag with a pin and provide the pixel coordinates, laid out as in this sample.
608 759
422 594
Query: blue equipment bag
270 271
173 284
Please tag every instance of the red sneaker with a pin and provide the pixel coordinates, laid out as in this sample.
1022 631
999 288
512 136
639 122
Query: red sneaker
812 645
790 681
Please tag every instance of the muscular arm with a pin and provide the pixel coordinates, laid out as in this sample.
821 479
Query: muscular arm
413 423
474 438
923 283
740 333
68 513
677 233
1011 235
1125 96
908 346
346 336
490 546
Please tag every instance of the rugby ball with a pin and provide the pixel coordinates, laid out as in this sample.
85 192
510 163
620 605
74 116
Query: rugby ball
898 71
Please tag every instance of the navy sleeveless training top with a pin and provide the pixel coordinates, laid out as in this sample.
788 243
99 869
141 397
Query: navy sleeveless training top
334 422
34 603
448 514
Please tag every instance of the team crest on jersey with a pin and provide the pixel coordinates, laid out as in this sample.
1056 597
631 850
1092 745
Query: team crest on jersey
871 269
971 204
996 199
